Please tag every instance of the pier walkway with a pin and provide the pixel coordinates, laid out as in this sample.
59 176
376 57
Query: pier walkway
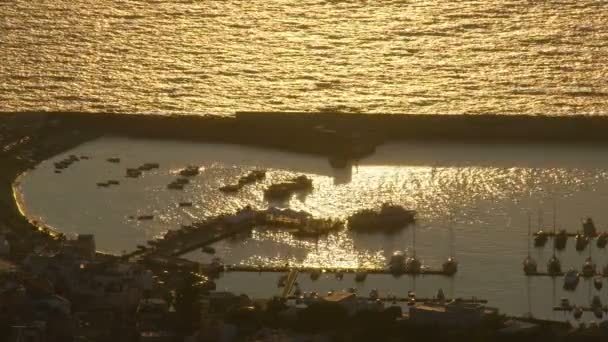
291 280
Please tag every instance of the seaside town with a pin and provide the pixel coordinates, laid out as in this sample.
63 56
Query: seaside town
57 289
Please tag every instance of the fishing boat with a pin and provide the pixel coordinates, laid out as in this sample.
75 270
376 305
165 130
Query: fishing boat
571 280
598 282
581 242
588 269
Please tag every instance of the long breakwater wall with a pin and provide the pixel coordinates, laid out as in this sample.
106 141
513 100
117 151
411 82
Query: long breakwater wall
343 134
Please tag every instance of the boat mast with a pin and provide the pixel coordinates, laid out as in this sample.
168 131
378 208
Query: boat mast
452 247
528 239
414 241
554 219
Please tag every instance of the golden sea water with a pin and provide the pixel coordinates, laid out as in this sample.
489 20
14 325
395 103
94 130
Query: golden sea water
398 56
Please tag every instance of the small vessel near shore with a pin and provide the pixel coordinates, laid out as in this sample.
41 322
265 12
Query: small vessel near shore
145 217
133 173
396 264
184 204
114 160
230 188
113 182
103 184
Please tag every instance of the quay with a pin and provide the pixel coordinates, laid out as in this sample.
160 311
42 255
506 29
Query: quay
287 269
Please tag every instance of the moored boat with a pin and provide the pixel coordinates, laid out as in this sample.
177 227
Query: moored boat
397 263
560 240
540 238
571 280
589 228
554 266
189 171
602 240
360 276
598 282
388 217
588 269
581 242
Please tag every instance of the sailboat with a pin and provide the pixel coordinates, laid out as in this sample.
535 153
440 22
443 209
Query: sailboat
541 236
530 266
450 266
554 266
589 267
412 264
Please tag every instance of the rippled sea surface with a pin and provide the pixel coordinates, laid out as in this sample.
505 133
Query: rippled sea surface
488 190
433 56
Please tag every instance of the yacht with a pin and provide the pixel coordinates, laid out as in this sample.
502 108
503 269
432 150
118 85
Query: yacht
554 266
571 280
598 282
588 268
581 242
397 263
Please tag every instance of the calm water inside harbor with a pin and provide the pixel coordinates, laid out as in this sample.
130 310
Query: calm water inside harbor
489 190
